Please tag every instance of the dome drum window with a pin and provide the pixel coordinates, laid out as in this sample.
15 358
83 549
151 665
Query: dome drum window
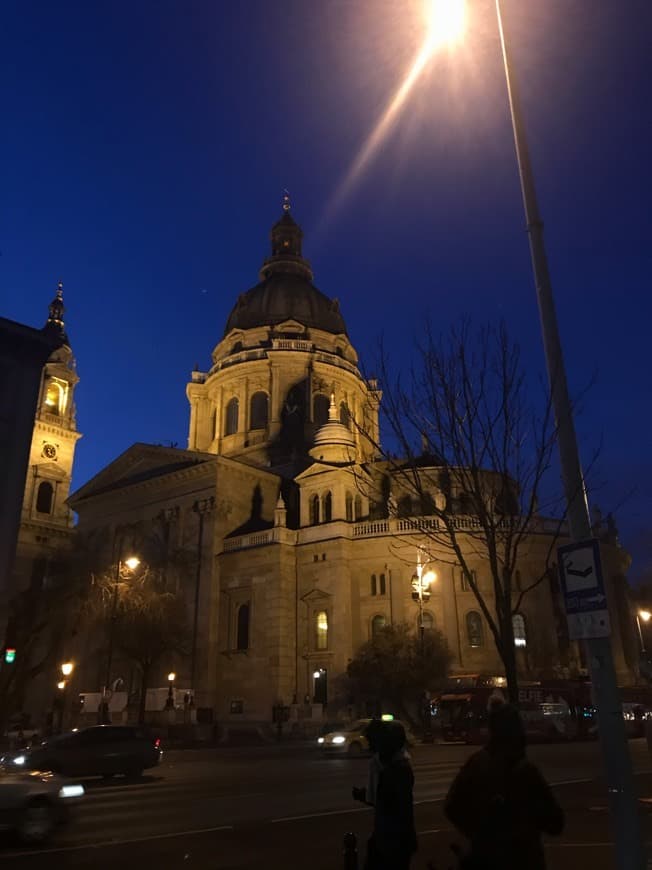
231 417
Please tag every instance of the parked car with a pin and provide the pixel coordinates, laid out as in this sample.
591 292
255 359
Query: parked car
350 739
103 750
33 804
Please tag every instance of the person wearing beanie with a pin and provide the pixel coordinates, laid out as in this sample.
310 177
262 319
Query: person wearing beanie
500 801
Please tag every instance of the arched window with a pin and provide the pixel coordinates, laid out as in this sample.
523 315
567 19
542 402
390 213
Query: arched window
320 406
231 421
328 507
382 584
374 586
345 415
258 412
474 633
377 624
242 627
518 627
358 508
54 398
349 507
314 510
214 424
321 630
44 498
428 621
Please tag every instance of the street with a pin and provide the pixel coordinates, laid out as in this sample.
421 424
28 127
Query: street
287 806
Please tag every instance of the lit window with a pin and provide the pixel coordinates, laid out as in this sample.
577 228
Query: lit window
377 624
54 398
321 630
474 631
518 627
44 498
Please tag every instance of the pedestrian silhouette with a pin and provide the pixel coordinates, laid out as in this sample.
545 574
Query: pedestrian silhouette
389 790
500 800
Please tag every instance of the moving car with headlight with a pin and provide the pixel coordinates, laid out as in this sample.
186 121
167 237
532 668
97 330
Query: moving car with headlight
350 739
103 750
33 804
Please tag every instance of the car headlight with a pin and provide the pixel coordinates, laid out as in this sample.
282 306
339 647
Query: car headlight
320 740
20 759
339 739
71 791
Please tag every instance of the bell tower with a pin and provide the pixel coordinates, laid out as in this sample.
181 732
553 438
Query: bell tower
47 521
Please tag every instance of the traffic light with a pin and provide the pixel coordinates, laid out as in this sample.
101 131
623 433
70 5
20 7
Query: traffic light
10 655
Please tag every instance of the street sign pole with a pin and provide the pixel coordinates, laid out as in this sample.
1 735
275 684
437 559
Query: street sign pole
630 853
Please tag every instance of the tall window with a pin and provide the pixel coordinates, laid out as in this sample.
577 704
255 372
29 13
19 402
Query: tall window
214 424
44 498
349 507
358 508
321 630
328 507
466 586
345 415
518 626
428 621
374 585
231 422
314 510
320 408
377 624
242 627
404 506
474 633
258 412
382 584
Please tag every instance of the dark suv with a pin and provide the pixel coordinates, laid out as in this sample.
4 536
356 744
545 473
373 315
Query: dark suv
104 750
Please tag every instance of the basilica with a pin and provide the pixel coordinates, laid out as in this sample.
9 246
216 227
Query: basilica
294 556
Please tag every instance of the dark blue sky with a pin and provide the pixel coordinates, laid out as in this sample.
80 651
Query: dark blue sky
146 145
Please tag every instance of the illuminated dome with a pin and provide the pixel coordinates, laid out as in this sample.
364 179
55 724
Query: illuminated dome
286 291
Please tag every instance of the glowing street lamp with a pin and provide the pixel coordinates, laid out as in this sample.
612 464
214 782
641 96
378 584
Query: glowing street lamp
169 704
446 23
646 616
61 685
422 580
67 668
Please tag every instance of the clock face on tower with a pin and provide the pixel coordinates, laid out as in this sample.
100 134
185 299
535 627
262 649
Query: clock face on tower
50 451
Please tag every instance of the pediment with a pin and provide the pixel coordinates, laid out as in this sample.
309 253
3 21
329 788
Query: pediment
316 595
138 463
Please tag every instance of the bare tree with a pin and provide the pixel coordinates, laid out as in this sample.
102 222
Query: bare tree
474 454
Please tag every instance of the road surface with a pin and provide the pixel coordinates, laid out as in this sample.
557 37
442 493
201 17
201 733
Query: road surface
288 807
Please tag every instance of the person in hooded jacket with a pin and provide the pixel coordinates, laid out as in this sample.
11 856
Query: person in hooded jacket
389 790
500 800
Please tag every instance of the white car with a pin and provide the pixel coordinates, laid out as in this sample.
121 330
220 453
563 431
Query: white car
33 804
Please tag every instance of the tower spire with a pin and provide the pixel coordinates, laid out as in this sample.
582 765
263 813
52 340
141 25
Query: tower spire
56 310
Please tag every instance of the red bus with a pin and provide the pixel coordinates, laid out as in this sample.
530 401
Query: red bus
551 710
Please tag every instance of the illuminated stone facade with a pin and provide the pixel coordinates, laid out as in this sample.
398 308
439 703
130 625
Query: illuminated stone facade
46 527
303 554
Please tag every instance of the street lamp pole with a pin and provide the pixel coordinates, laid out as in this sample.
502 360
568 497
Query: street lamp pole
644 615
132 563
617 763
201 508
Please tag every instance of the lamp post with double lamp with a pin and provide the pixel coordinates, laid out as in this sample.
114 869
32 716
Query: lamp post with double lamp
422 579
447 22
130 564
646 616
